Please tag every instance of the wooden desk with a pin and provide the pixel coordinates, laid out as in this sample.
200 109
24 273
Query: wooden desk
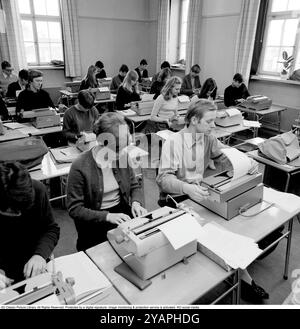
288 169
260 114
257 227
11 134
49 169
181 284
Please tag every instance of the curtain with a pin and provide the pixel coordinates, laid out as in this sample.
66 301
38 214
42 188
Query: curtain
260 32
162 32
245 37
11 42
71 38
193 33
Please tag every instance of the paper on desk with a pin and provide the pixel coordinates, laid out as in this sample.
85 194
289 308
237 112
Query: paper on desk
181 230
236 250
165 134
183 99
29 130
249 123
232 111
240 162
286 201
87 276
128 112
13 125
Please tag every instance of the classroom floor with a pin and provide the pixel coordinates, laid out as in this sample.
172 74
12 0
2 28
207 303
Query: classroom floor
268 272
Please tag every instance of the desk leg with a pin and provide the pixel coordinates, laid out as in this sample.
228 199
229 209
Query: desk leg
279 122
287 183
238 289
288 249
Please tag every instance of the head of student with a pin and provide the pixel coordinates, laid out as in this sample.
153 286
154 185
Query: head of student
237 80
35 80
165 65
209 89
171 88
143 64
91 76
86 99
99 65
164 75
16 189
123 70
130 80
195 70
200 116
111 130
6 68
23 77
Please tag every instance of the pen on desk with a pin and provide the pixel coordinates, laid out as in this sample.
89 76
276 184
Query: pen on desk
63 153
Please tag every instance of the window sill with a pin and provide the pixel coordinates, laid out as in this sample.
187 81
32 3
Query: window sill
179 68
275 79
46 67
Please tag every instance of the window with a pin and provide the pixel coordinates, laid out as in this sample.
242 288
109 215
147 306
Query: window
282 34
183 28
41 25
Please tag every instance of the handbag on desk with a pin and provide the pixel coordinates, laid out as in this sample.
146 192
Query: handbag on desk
28 151
283 149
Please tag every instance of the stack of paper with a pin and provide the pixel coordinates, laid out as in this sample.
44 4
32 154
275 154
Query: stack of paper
183 99
147 97
231 112
128 112
236 250
65 155
13 125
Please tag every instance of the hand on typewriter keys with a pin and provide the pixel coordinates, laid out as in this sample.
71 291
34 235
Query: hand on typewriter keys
36 265
117 218
195 192
137 210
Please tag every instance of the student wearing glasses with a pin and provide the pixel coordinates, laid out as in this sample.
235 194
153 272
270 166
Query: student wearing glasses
33 97
191 82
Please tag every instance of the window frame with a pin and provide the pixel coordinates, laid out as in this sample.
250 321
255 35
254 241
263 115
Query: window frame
296 47
179 43
32 17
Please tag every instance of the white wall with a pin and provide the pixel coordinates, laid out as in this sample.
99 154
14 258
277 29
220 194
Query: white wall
218 35
117 32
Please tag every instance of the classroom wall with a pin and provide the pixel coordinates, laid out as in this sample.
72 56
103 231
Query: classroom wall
117 32
218 35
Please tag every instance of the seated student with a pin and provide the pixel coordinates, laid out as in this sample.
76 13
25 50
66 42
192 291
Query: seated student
90 80
33 97
18 85
101 192
166 105
101 74
3 110
118 79
80 117
6 77
164 65
128 91
237 92
156 87
142 70
191 82
208 91
184 158
29 232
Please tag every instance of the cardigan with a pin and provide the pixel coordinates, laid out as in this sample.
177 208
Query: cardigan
78 119
124 97
115 83
142 75
12 89
33 233
187 88
85 193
